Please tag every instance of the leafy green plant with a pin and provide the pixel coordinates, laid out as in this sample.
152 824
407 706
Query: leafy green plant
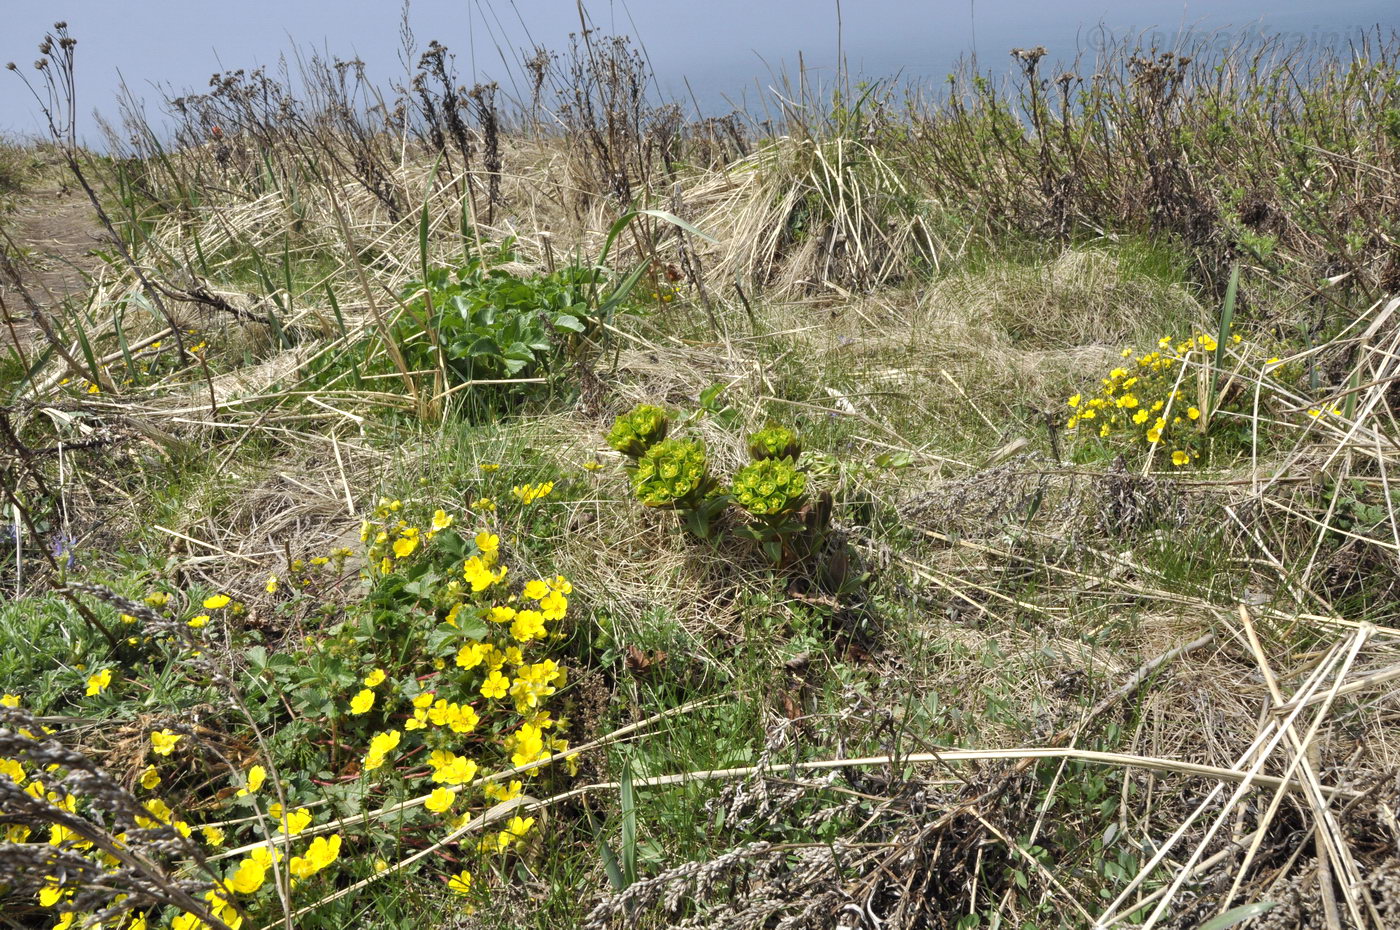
772 490
673 473
480 323
635 432
774 442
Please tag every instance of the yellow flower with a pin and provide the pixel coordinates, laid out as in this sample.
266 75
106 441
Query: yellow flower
271 586
163 742
216 601
294 822
471 655
520 825
477 572
536 589
98 682
248 877
266 856
507 792
454 769
380 746
197 622
529 493
405 546
495 686
1193 413
554 605
440 800
321 853
94 389
256 776
213 836
461 883
375 678
489 466
1180 458
528 625
1074 400
9 700
441 520
592 466
362 702
487 504
150 778
488 543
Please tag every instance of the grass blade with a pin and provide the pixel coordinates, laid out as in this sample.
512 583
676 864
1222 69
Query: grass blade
629 825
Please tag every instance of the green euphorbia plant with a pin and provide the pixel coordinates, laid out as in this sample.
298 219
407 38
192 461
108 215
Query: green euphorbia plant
774 442
774 494
675 474
639 429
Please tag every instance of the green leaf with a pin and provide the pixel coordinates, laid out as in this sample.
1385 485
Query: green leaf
609 858
629 825
711 394
1238 915
1227 316
571 323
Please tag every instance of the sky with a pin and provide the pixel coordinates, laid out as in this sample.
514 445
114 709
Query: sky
719 50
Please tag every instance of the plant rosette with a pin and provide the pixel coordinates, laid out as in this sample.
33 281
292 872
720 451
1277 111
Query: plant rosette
774 442
638 430
673 473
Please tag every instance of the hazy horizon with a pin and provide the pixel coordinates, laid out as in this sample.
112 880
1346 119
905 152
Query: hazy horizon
724 50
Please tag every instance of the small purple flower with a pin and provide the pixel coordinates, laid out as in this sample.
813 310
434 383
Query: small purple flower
61 548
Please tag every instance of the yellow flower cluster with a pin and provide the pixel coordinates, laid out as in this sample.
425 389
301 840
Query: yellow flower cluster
483 704
391 538
246 877
1141 401
529 493
465 683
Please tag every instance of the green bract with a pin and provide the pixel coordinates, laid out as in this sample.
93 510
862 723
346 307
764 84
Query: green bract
774 442
638 430
672 473
769 487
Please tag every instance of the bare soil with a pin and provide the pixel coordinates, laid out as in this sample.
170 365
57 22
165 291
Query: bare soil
57 232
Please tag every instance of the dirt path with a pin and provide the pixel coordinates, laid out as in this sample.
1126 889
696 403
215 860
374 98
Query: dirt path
58 233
